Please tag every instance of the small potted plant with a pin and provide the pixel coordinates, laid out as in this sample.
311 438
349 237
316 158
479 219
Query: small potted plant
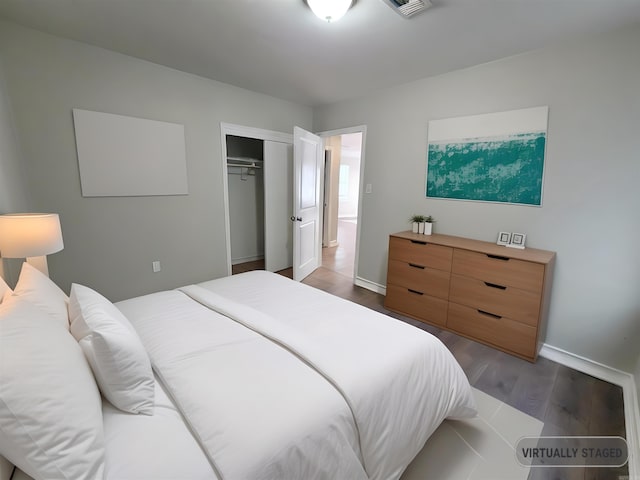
428 225
417 222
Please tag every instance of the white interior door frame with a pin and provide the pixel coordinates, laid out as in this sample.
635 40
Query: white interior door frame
248 132
341 131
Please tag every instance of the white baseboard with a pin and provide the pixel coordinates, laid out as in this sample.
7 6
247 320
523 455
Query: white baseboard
369 285
617 377
253 258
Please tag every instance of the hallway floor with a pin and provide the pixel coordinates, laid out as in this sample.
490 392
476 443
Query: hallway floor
341 258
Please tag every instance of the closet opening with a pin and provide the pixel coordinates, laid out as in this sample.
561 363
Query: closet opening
245 176
259 194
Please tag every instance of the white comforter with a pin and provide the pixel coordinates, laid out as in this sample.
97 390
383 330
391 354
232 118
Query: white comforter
257 411
398 381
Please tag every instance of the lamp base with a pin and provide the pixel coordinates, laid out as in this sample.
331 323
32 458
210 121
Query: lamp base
40 263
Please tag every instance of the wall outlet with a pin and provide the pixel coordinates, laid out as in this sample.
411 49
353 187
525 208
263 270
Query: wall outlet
156 266
367 188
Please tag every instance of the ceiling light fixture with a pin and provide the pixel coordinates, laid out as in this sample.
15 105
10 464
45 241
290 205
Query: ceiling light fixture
330 10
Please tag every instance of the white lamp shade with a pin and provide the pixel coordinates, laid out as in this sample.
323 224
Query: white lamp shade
329 10
25 235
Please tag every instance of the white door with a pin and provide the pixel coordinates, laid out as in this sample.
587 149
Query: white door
278 205
308 158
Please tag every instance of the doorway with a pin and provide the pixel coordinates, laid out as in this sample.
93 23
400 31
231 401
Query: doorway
343 173
278 233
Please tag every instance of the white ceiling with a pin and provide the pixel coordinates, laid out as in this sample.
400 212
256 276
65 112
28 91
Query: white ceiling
280 48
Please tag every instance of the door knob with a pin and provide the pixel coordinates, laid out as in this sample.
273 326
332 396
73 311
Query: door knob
296 219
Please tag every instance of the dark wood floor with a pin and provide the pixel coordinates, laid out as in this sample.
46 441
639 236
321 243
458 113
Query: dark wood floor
567 401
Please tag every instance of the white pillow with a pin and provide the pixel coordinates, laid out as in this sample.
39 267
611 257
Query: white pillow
50 406
38 289
114 350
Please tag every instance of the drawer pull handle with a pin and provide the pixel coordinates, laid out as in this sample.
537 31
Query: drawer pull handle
419 242
415 291
415 265
495 285
492 315
498 257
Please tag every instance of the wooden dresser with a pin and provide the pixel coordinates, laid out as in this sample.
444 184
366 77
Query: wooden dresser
493 294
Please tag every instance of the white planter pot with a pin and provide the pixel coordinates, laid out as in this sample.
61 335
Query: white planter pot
415 227
421 227
428 228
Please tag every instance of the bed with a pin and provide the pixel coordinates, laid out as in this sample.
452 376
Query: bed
252 376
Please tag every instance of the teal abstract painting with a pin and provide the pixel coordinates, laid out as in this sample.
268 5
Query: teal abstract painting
495 157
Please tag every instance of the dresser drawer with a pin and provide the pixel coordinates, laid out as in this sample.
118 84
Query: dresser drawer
416 304
500 332
426 280
499 270
515 303
421 253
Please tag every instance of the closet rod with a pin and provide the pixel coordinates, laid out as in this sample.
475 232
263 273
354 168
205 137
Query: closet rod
243 159
243 165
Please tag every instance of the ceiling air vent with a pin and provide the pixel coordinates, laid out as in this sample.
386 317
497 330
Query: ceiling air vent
408 8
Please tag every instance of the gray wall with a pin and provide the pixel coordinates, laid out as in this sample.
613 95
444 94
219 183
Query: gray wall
14 195
246 216
591 195
111 242
591 199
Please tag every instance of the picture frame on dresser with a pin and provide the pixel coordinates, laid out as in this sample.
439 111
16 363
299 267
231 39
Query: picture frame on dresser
504 238
517 240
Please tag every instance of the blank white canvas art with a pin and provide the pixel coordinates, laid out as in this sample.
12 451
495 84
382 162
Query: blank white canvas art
121 156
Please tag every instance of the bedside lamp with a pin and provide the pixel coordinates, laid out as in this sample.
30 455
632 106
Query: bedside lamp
31 236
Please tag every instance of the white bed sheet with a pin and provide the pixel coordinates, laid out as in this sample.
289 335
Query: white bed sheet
153 447
399 381
150 447
258 411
